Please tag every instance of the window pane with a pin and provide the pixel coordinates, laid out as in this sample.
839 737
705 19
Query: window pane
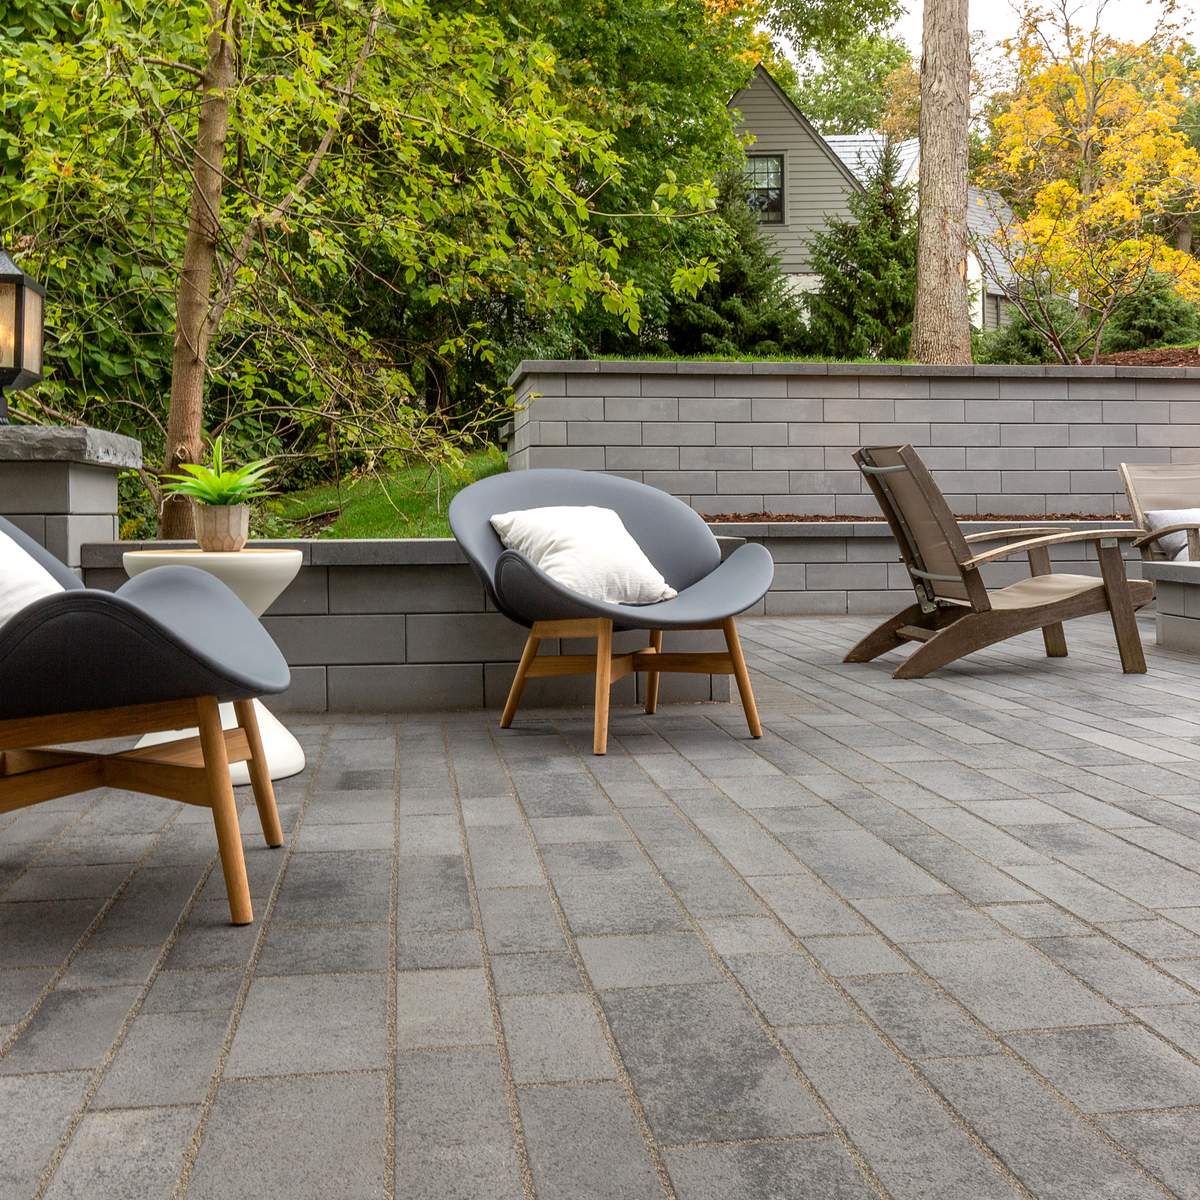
8 324
764 181
32 332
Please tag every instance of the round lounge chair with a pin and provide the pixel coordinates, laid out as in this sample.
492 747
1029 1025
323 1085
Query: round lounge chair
675 539
158 654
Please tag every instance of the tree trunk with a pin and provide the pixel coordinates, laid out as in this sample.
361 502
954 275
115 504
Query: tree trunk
193 330
1183 233
941 324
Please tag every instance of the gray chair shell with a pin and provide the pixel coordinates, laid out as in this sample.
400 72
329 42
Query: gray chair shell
167 634
673 537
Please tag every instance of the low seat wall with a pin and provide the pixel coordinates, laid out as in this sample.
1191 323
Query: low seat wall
404 625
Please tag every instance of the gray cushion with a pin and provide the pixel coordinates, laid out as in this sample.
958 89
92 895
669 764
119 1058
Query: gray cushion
1174 545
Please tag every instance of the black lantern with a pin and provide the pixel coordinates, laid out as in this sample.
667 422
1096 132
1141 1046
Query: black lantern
22 304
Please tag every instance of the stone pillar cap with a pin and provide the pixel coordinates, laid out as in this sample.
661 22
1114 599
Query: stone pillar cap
74 444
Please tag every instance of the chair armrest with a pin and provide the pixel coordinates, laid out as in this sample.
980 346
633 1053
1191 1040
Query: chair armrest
1145 537
991 535
1075 535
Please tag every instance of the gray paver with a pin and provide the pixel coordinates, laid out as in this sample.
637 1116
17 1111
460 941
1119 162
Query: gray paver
917 1018
35 1110
1167 1143
553 1039
802 1170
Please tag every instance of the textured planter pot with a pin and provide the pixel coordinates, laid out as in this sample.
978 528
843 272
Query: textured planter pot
222 527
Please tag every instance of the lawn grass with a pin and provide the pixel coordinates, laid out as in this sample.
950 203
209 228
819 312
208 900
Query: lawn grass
410 503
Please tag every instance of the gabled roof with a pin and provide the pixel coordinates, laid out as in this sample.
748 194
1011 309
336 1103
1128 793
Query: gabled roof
764 75
861 152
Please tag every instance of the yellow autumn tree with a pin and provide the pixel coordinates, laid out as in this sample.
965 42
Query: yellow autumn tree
1090 157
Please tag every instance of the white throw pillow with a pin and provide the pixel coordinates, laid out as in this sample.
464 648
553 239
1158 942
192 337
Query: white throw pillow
22 579
585 549
1174 545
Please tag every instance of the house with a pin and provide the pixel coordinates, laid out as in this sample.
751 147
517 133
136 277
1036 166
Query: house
798 180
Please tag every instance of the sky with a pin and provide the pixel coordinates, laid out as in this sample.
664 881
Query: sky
997 19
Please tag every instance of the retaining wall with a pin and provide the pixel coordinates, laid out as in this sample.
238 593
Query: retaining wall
744 437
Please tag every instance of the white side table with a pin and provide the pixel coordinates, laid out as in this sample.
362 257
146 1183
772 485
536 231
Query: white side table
257 577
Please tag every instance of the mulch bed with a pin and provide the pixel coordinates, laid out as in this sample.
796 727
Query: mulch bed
1169 356
810 519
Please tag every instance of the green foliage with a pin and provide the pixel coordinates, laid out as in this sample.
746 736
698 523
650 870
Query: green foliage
219 485
410 502
848 92
1156 315
747 309
1019 342
818 24
867 266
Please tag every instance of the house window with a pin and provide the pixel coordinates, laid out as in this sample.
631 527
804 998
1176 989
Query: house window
764 180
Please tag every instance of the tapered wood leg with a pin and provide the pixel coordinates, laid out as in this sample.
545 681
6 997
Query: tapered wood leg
224 809
1120 608
260 773
1054 637
656 639
518 683
887 636
742 675
603 687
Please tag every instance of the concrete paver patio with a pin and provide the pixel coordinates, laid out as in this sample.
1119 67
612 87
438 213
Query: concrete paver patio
936 940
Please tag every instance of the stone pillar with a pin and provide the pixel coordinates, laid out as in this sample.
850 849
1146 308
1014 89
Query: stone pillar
60 484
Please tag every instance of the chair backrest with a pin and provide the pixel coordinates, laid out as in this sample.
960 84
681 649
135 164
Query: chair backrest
673 536
59 570
929 538
1152 486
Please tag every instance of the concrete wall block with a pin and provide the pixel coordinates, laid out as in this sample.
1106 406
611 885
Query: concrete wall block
964 389
944 409
789 577
92 489
1185 455
604 433
1083 412
641 408
824 482
1010 505
1072 458
805 550
1171 598
1033 435
463 637
604 384
1102 434
895 433
741 482
107 579
792 409
945 458
1033 481
823 387
898 577
580 458
860 409
678 385
894 387
755 386
751 433
408 589
322 640
680 482
968 481
967 434
999 410
1180 412
714 408
878 603
641 458
307 594
882 549
1100 389
802 505
567 408
790 458
678 433
846 576
806 603
1104 503
823 433
1178 633
863 505
405 687
307 692
543 384
31 488
1149 412
1089 481
716 458
518 460
1029 388
65 535
1000 458
1115 455
708 505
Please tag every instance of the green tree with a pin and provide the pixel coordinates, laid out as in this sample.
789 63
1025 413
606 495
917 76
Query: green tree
867 266
852 88
1156 316
747 309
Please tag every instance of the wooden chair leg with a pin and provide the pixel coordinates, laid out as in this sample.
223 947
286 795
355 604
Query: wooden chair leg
656 640
518 683
260 773
742 675
1054 637
886 637
224 809
603 686
1120 608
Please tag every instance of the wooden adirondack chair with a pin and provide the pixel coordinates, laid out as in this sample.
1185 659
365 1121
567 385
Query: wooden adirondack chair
955 612
1157 486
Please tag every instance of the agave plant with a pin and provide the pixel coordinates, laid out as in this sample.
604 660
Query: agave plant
218 486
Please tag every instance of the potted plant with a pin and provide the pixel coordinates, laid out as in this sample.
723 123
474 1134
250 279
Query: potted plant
220 494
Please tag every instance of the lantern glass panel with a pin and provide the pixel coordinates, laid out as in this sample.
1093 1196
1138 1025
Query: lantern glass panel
31 359
8 324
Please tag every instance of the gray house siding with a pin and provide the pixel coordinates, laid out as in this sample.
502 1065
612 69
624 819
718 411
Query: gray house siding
816 185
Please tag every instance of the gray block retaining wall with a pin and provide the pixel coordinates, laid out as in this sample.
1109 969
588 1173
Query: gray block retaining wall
404 625
744 437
